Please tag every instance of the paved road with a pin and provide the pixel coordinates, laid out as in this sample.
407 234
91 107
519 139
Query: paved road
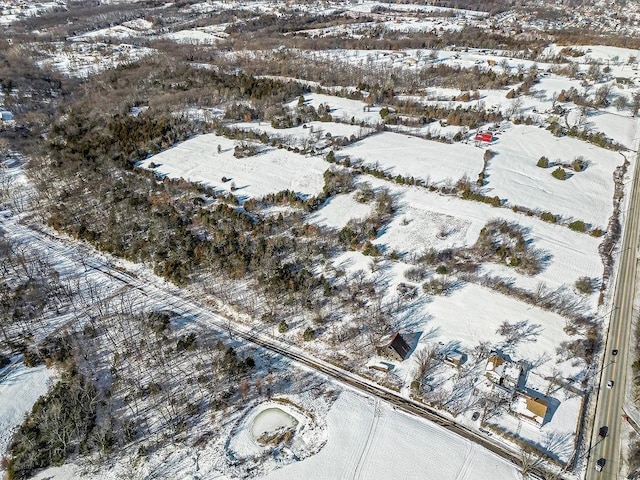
610 401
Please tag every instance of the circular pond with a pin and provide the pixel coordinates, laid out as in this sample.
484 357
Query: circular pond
270 420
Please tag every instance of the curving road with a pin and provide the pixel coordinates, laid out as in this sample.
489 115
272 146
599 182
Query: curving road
611 400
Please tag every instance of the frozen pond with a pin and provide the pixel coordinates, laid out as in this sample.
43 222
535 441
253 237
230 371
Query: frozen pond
271 419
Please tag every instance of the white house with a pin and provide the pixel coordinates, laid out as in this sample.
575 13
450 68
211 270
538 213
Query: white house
502 372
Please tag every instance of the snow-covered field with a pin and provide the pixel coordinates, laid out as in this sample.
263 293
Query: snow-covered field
344 109
20 387
311 133
132 28
601 53
338 210
514 176
196 36
271 170
11 12
366 439
425 220
428 160
86 58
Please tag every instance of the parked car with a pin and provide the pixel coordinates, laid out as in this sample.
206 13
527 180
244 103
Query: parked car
604 430
610 384
475 416
600 464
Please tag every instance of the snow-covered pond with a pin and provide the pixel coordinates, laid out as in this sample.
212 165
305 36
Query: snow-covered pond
276 429
271 419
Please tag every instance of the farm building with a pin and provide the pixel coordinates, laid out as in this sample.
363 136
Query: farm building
455 358
381 367
484 137
394 347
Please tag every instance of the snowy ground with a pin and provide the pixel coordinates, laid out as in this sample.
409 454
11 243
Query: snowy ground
338 210
514 176
311 133
424 219
20 387
271 170
10 13
378 439
366 439
431 161
344 109
85 58
380 442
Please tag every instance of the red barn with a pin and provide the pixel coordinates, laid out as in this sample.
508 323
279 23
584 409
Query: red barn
485 137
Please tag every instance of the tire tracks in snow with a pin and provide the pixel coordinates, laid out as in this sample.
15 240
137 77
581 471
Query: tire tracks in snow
467 465
377 412
8 369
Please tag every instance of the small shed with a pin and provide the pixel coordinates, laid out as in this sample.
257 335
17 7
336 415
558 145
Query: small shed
6 116
381 367
455 358
394 347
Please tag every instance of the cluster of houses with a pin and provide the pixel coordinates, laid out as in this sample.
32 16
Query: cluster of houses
18 8
503 378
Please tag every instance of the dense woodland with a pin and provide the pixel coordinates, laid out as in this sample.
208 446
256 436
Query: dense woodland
115 385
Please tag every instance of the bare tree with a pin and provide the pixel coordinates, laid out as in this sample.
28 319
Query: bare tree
493 407
515 109
635 104
529 461
244 388
600 98
594 72
621 102
426 360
